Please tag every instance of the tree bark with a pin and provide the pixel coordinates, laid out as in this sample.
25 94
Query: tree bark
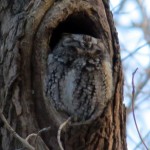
29 30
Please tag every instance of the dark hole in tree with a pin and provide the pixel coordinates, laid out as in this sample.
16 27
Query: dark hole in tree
77 23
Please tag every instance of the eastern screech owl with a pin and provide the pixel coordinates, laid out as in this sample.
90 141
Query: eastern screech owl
79 76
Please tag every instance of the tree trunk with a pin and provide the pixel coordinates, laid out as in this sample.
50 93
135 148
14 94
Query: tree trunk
29 31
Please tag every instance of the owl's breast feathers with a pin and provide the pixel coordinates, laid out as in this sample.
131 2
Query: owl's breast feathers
79 76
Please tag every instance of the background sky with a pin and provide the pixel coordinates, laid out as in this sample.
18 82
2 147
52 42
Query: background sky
132 18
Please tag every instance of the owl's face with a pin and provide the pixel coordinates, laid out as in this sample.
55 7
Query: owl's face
80 49
76 80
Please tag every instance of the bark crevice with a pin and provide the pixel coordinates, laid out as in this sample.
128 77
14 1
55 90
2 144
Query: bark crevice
28 35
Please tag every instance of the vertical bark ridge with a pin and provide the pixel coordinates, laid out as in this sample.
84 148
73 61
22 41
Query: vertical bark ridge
28 32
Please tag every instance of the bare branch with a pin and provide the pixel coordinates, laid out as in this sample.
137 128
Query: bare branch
42 130
9 128
59 132
133 92
37 141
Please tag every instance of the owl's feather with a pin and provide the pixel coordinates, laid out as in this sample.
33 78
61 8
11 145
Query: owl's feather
79 76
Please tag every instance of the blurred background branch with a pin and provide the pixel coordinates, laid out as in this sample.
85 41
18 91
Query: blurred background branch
132 19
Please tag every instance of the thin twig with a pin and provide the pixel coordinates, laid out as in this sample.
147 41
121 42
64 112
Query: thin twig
59 132
133 92
9 128
35 135
42 130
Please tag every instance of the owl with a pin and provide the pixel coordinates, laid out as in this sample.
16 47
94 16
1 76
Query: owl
79 76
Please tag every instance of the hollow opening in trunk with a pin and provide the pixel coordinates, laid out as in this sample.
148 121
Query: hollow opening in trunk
76 23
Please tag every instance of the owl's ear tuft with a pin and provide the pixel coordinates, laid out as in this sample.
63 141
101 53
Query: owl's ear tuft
76 23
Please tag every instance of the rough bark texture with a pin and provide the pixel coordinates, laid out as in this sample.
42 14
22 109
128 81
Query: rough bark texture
29 30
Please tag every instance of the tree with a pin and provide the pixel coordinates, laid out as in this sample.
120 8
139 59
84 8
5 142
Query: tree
29 32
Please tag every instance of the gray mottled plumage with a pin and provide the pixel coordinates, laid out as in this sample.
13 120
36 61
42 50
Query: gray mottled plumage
79 76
